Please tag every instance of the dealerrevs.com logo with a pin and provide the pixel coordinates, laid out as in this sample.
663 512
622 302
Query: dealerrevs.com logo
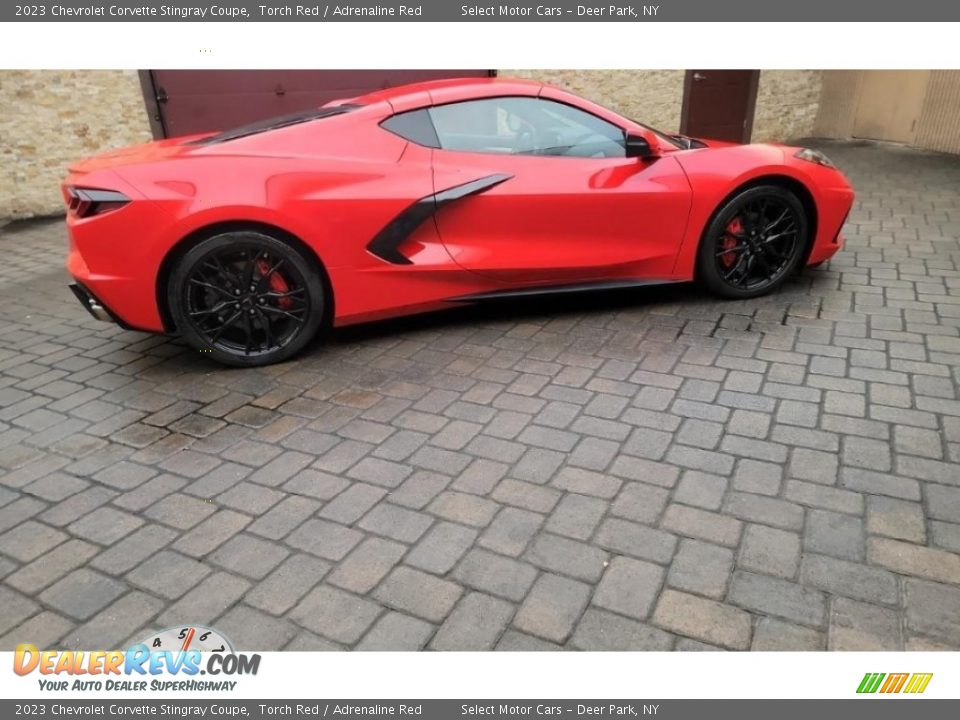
891 683
136 669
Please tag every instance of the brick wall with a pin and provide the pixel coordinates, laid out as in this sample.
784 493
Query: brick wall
49 118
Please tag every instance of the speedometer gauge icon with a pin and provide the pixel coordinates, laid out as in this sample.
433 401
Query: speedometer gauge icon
189 637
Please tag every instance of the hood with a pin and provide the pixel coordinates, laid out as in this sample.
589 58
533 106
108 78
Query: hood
716 143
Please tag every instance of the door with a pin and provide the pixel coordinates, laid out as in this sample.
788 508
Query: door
183 102
890 104
534 191
719 104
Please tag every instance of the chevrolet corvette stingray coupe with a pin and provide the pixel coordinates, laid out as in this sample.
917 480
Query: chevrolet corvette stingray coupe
248 242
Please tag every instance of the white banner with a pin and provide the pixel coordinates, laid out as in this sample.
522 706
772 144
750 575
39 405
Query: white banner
650 675
374 45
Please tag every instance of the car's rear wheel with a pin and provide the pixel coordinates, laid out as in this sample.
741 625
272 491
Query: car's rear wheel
246 298
756 240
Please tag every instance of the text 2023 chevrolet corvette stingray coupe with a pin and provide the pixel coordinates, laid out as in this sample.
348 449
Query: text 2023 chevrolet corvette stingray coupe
247 242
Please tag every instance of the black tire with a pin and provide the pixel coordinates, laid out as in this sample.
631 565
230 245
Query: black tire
246 298
754 242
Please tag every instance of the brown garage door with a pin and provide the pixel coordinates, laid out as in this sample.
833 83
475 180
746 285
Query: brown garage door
181 102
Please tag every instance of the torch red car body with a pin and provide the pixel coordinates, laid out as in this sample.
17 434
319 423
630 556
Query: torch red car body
424 196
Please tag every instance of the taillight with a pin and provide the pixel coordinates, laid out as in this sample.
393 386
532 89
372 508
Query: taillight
87 202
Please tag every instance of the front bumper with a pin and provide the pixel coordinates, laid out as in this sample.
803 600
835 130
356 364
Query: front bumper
835 206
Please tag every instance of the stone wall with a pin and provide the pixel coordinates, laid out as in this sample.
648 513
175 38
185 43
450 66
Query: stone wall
51 117
787 104
653 97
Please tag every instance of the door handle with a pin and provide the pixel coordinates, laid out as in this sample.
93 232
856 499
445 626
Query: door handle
698 77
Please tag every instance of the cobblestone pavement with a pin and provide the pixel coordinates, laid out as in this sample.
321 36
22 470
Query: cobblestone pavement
647 470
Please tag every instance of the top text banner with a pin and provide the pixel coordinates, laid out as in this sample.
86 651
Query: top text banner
452 11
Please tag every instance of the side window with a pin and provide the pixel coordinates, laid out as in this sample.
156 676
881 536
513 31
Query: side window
525 126
414 126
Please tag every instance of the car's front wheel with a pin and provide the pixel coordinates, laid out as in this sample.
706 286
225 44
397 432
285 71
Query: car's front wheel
246 298
756 240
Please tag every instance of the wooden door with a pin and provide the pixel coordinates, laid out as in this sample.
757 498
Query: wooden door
890 104
718 104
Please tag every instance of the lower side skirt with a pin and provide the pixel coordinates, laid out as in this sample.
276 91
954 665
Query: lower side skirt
543 290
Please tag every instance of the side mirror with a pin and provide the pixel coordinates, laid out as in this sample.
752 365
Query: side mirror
637 146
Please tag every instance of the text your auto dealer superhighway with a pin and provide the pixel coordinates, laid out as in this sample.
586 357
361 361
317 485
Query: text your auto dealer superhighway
143 11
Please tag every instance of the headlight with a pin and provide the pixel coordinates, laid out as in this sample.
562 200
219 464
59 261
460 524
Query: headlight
814 156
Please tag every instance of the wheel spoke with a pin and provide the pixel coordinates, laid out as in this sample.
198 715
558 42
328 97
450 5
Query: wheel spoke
210 286
265 276
286 294
762 212
232 319
772 252
217 267
267 334
776 238
743 274
764 265
734 249
738 269
284 313
248 269
248 330
770 226
215 309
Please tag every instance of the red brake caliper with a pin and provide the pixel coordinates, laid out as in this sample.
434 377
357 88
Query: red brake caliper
735 227
277 284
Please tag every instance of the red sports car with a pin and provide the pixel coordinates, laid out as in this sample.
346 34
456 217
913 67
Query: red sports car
248 241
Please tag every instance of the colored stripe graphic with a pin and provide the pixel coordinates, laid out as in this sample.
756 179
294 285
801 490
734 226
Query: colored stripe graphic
870 682
918 682
894 683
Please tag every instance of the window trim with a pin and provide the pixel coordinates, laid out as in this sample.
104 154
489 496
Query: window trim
275 123
426 111
536 98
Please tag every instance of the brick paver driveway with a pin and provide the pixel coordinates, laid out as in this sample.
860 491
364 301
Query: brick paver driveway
646 471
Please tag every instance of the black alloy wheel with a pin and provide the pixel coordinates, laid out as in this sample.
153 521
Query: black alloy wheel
753 244
246 298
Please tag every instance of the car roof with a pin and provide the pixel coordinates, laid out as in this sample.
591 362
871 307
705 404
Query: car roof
451 89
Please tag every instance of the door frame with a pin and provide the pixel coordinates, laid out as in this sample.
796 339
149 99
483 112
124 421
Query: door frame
750 110
148 88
